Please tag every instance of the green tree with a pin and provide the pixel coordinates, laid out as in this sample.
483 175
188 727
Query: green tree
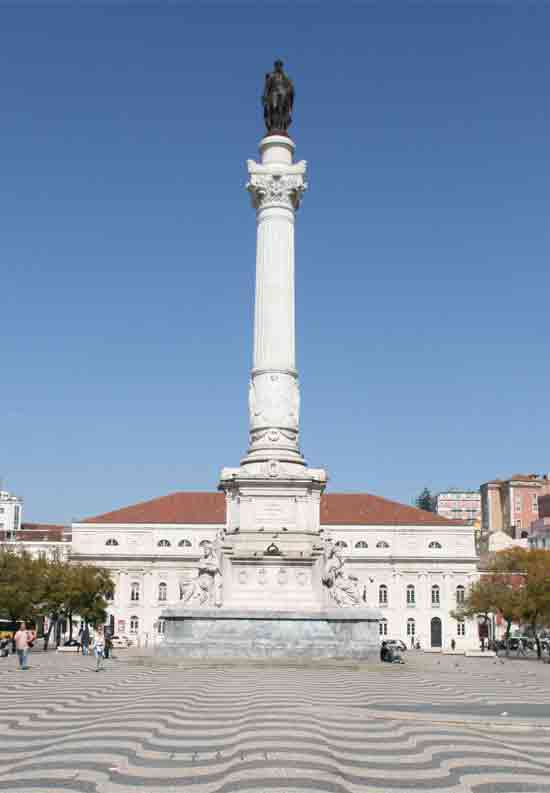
90 589
426 501
20 584
528 573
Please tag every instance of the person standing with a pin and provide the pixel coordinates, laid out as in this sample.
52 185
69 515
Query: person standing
22 645
99 647
85 639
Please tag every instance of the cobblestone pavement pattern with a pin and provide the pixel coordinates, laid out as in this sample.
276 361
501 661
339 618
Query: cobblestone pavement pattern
435 725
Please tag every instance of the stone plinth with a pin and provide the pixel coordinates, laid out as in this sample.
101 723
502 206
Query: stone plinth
244 633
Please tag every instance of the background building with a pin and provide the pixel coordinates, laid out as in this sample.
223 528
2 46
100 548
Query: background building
10 515
45 539
456 504
540 529
511 505
416 566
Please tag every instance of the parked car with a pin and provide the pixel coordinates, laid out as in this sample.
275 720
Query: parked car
120 641
397 644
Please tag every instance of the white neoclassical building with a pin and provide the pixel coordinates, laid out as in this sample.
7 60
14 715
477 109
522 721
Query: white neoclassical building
414 565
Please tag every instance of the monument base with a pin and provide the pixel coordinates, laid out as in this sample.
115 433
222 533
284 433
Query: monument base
242 634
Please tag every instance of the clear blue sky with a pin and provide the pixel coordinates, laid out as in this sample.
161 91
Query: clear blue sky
127 243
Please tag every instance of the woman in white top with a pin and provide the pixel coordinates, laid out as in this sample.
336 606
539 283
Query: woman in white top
99 647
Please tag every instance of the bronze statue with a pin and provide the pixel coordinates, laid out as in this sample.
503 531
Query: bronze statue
278 99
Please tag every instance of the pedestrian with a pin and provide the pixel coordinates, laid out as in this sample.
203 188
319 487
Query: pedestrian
108 646
383 651
412 642
99 648
521 649
85 639
453 645
22 645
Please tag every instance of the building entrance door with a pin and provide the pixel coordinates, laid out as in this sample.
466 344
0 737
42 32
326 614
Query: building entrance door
435 632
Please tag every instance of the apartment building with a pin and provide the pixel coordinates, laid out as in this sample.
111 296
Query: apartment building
511 505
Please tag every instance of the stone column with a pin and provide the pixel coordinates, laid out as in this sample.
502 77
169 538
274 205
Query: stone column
276 185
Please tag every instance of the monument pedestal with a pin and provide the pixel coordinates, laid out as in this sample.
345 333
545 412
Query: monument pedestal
266 633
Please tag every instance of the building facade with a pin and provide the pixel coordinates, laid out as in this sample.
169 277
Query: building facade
511 505
10 515
414 565
459 504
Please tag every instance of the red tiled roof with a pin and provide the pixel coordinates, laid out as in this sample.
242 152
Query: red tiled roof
336 509
42 532
364 508
516 478
185 507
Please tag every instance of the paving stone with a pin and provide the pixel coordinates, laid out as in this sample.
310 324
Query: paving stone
434 725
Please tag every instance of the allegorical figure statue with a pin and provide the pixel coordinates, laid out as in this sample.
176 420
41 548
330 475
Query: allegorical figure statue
278 99
207 587
343 588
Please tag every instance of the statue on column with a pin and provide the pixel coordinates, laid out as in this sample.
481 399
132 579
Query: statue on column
278 100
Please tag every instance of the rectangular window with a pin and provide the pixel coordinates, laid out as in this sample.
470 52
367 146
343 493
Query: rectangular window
535 503
460 629
518 524
518 504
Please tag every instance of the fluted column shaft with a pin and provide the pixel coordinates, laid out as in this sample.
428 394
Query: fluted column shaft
276 185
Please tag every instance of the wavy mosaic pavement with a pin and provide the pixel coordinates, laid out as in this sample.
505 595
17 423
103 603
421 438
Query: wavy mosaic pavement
434 725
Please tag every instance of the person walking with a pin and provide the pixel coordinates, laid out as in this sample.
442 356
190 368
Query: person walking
453 645
85 639
22 645
99 648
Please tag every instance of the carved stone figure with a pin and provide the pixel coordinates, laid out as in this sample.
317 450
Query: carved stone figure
343 588
278 100
206 589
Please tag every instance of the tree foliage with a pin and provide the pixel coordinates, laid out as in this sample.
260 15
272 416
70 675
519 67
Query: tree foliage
517 586
426 501
52 587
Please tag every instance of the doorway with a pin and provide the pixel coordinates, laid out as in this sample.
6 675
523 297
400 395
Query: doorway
435 632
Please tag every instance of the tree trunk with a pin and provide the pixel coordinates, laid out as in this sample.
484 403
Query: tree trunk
537 640
57 632
49 633
507 637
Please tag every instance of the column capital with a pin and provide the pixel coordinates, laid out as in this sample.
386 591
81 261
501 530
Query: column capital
276 185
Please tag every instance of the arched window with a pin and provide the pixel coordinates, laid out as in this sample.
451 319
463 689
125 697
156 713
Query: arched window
109 597
383 627
134 591
134 624
436 595
161 626
163 591
383 595
111 541
341 544
435 546
163 543
411 595
185 543
202 543
382 544
361 544
460 594
411 627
